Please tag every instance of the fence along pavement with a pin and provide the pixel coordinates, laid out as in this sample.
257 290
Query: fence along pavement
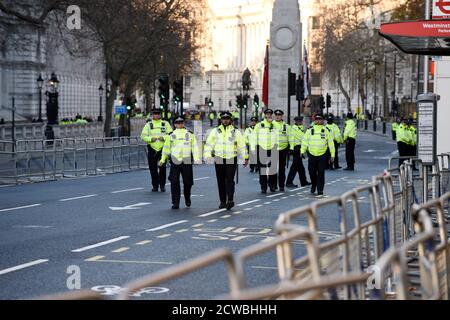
43 160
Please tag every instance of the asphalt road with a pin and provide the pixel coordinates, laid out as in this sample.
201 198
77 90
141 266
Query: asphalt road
114 229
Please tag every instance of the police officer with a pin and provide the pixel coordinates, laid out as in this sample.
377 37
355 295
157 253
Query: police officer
265 144
298 132
337 138
154 134
182 149
395 126
316 141
350 132
403 140
223 146
249 135
284 143
212 117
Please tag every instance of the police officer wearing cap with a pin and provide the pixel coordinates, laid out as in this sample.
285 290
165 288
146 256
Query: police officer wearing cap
298 132
182 150
265 144
316 141
337 138
223 146
248 136
154 134
284 144
350 133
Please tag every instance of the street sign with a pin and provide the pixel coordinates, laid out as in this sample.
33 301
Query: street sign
121 110
426 145
441 9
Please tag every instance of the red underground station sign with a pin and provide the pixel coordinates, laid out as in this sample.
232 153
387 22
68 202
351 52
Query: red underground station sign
426 37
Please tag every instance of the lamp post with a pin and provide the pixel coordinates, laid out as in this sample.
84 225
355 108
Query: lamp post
100 91
52 103
40 82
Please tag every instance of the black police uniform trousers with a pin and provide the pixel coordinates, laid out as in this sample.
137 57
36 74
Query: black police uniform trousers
253 161
297 167
266 180
225 173
282 162
350 153
185 170
402 151
159 174
336 156
316 168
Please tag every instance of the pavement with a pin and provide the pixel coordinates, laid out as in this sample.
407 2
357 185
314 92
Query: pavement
112 229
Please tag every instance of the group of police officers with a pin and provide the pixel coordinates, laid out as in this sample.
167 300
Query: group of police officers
265 145
405 133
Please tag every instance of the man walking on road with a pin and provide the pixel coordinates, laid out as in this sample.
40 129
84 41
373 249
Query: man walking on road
249 136
350 133
223 146
265 144
154 134
316 142
182 149
337 138
298 132
284 140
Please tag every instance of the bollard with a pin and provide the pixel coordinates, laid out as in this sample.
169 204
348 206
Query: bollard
375 125
384 127
366 125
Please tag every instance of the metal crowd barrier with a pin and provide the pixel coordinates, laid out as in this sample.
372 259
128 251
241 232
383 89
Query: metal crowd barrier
44 160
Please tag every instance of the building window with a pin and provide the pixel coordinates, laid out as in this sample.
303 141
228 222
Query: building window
187 82
315 23
315 79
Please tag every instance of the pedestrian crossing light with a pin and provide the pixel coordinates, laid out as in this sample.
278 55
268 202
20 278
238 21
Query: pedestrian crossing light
256 101
210 103
328 101
164 89
322 102
178 90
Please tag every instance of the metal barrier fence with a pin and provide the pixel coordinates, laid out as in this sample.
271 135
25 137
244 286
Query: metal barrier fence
42 160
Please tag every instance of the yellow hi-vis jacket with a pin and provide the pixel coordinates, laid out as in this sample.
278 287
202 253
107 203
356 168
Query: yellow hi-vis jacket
265 136
335 132
412 135
181 145
225 143
298 132
350 129
249 135
316 141
403 134
158 129
284 134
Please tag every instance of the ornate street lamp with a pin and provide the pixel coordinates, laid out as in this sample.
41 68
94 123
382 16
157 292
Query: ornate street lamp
52 103
40 82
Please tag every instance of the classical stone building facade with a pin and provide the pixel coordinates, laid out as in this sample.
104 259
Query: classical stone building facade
26 51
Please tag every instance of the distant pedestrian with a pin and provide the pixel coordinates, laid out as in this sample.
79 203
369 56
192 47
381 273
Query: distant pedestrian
337 138
350 133
298 133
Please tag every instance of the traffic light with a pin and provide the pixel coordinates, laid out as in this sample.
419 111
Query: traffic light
178 90
292 83
328 101
210 103
300 89
322 102
245 101
256 101
239 101
164 89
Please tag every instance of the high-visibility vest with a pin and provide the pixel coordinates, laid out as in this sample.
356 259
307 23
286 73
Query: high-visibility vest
412 135
395 126
350 129
225 143
335 132
298 132
265 136
248 134
284 134
402 134
156 129
179 145
317 140
212 116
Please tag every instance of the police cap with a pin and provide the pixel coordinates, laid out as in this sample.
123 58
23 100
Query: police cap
279 112
178 120
268 111
254 119
156 111
226 114
298 119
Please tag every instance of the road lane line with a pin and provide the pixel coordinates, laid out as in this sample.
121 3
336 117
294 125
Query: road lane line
275 195
127 190
226 217
249 202
135 262
164 236
78 198
204 178
23 266
198 225
143 243
167 226
96 258
213 220
100 244
120 250
24 207
211 213
293 190
182 230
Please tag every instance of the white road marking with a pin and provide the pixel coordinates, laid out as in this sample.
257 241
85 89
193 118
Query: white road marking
269 202
246 203
23 266
77 198
167 226
275 195
211 213
130 207
199 179
33 227
100 244
127 190
24 207
8 185
293 190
